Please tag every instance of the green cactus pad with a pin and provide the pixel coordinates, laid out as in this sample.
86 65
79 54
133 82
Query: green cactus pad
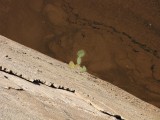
81 53
79 60
83 69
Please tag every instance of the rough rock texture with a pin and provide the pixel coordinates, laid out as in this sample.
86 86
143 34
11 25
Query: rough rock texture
35 86
121 37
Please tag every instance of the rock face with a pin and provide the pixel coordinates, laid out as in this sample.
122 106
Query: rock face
35 86
121 38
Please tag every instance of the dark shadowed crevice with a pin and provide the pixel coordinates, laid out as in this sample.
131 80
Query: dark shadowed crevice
36 81
52 85
118 117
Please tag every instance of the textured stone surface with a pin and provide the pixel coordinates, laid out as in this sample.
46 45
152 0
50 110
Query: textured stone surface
35 86
121 38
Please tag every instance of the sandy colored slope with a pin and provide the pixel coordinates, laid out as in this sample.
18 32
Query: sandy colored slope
121 37
35 86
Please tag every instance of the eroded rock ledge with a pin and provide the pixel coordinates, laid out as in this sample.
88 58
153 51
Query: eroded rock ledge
35 86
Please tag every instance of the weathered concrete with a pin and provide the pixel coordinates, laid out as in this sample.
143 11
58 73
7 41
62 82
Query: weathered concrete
35 86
